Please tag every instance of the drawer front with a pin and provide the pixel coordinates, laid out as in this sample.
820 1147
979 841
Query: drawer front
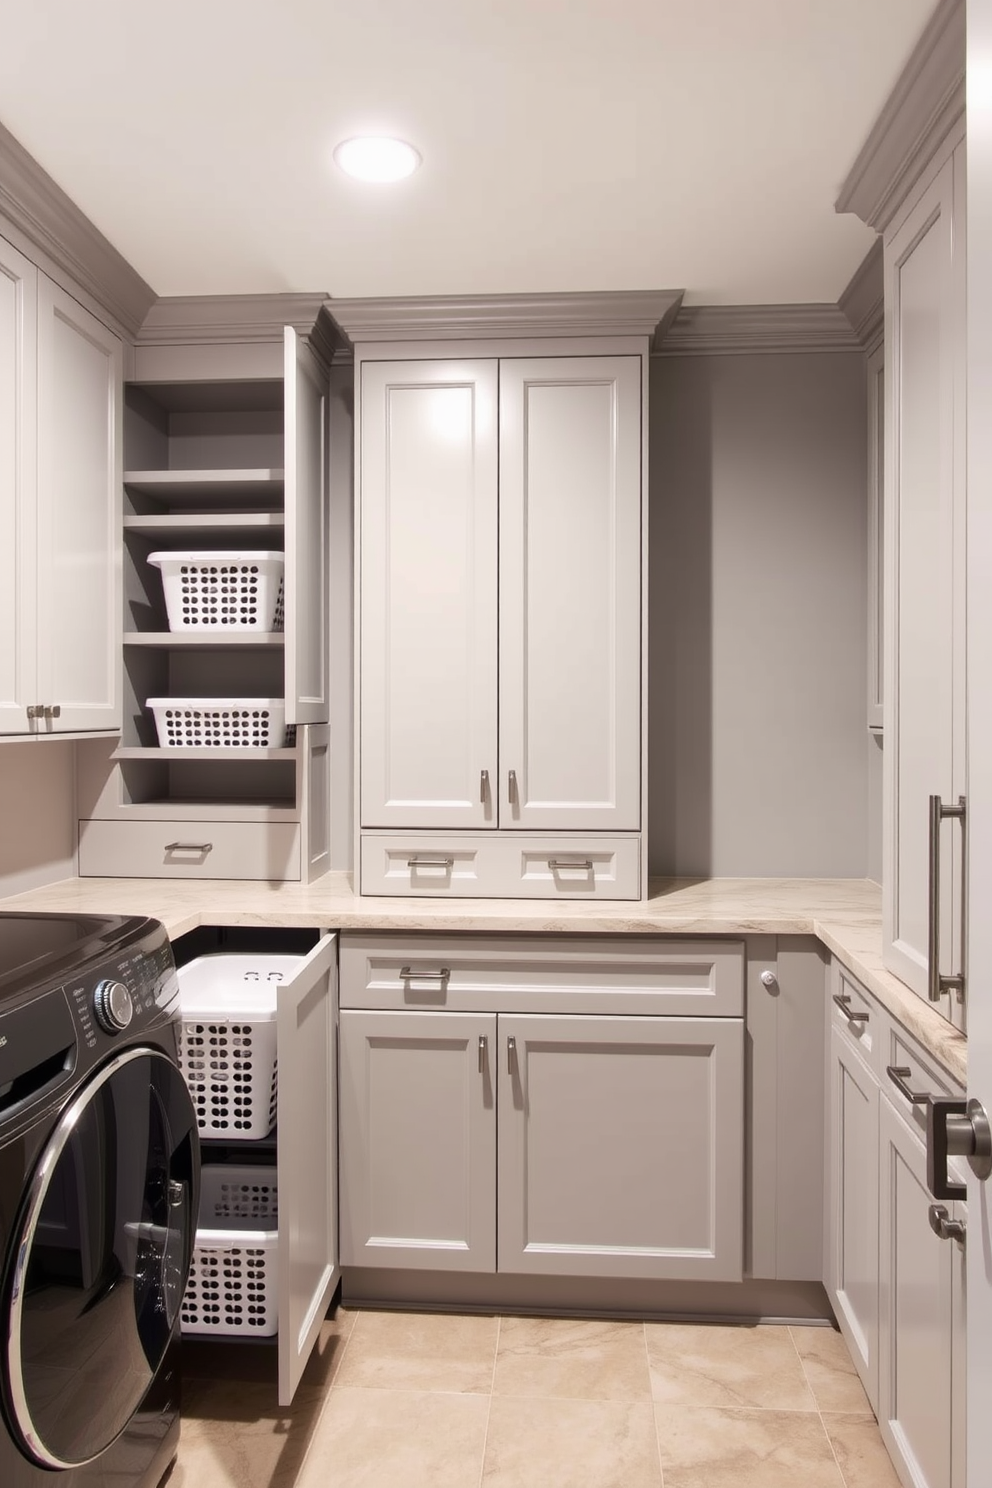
907 1070
857 1018
140 849
560 974
517 867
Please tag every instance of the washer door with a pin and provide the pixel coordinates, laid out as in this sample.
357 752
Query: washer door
102 1256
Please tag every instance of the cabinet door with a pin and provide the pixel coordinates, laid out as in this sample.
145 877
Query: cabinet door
306 623
428 593
916 1283
79 514
570 593
418 1140
924 706
852 1206
18 478
307 1156
621 1146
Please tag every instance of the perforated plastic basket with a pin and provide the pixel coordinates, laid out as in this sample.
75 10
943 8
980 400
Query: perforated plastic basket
222 590
219 723
231 1290
227 1041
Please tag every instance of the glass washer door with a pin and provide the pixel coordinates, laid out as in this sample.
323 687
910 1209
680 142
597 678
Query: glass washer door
103 1251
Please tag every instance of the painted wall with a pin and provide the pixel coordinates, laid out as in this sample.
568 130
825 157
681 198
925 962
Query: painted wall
37 814
757 733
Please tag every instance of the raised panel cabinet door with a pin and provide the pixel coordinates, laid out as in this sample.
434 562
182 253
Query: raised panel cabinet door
570 593
923 429
418 1140
916 1271
621 1146
306 1142
307 551
18 479
428 481
79 515
852 1206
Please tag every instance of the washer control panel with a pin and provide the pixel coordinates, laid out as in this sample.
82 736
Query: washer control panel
113 1006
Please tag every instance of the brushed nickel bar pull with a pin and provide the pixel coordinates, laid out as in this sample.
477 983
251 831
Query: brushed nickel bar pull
483 1053
446 863
200 847
53 711
556 863
511 1054
35 710
442 975
512 793
899 1074
484 787
937 984
843 1001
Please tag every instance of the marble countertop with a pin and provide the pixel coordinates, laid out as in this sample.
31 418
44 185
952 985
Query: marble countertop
845 914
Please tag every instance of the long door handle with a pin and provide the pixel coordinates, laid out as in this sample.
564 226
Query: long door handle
937 984
511 1054
483 1053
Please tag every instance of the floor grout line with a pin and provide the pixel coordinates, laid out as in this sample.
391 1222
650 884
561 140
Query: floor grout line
489 1412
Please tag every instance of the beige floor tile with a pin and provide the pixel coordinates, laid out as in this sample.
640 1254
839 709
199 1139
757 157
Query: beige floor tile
572 1358
857 1443
726 1366
570 1444
420 1351
829 1369
208 1364
397 1439
703 1448
246 1441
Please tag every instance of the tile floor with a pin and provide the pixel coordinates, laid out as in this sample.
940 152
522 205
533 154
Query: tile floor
412 1400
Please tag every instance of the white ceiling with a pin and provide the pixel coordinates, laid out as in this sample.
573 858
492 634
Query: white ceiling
568 144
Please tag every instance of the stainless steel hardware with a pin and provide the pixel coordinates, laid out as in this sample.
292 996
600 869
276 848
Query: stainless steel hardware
483 1053
44 710
54 711
442 975
769 979
446 863
937 984
956 1128
843 1001
899 1074
945 1227
200 847
35 710
555 864
511 1054
484 787
512 793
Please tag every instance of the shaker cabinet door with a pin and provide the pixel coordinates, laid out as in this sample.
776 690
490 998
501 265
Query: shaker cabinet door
306 513
18 422
428 484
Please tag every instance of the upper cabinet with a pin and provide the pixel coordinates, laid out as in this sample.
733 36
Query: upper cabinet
60 454
502 518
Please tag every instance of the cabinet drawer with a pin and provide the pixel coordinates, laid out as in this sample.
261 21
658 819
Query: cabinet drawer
922 1075
510 867
857 1018
201 849
537 974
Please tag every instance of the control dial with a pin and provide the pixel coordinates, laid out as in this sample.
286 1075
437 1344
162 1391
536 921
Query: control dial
113 1006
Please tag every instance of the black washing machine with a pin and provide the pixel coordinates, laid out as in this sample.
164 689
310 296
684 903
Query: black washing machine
99 1188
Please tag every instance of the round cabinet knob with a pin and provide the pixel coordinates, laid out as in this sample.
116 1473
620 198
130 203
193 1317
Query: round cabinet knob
113 1006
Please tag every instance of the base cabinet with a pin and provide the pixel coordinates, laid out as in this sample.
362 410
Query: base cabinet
551 1142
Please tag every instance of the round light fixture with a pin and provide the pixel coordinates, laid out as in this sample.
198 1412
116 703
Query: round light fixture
376 158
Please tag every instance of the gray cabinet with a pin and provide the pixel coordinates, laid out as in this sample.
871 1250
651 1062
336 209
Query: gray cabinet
60 458
497 1114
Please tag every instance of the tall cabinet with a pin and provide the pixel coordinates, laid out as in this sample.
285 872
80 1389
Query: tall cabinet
502 597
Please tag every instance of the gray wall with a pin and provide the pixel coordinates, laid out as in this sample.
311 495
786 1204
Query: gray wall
37 814
757 729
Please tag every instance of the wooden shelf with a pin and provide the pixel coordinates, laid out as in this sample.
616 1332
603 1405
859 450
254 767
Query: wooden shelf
224 486
140 752
179 524
205 640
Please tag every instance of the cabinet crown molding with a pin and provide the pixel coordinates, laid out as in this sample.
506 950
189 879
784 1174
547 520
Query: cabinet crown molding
41 213
724 330
470 317
863 301
923 107
190 320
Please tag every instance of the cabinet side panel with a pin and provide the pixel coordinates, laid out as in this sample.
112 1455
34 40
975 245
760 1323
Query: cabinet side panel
18 411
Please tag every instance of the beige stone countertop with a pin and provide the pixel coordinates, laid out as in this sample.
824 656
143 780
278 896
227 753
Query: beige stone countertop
845 914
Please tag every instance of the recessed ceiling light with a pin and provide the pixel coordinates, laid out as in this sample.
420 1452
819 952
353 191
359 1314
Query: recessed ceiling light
375 158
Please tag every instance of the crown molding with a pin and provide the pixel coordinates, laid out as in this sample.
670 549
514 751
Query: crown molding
51 223
863 301
924 106
191 320
726 330
506 317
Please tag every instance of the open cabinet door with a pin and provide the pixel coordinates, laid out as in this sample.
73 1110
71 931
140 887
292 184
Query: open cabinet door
307 1157
306 389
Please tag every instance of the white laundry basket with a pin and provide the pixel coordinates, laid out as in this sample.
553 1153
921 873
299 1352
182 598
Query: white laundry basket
229 590
231 1292
227 1041
219 723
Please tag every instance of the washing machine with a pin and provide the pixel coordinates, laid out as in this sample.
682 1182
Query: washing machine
99 1187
